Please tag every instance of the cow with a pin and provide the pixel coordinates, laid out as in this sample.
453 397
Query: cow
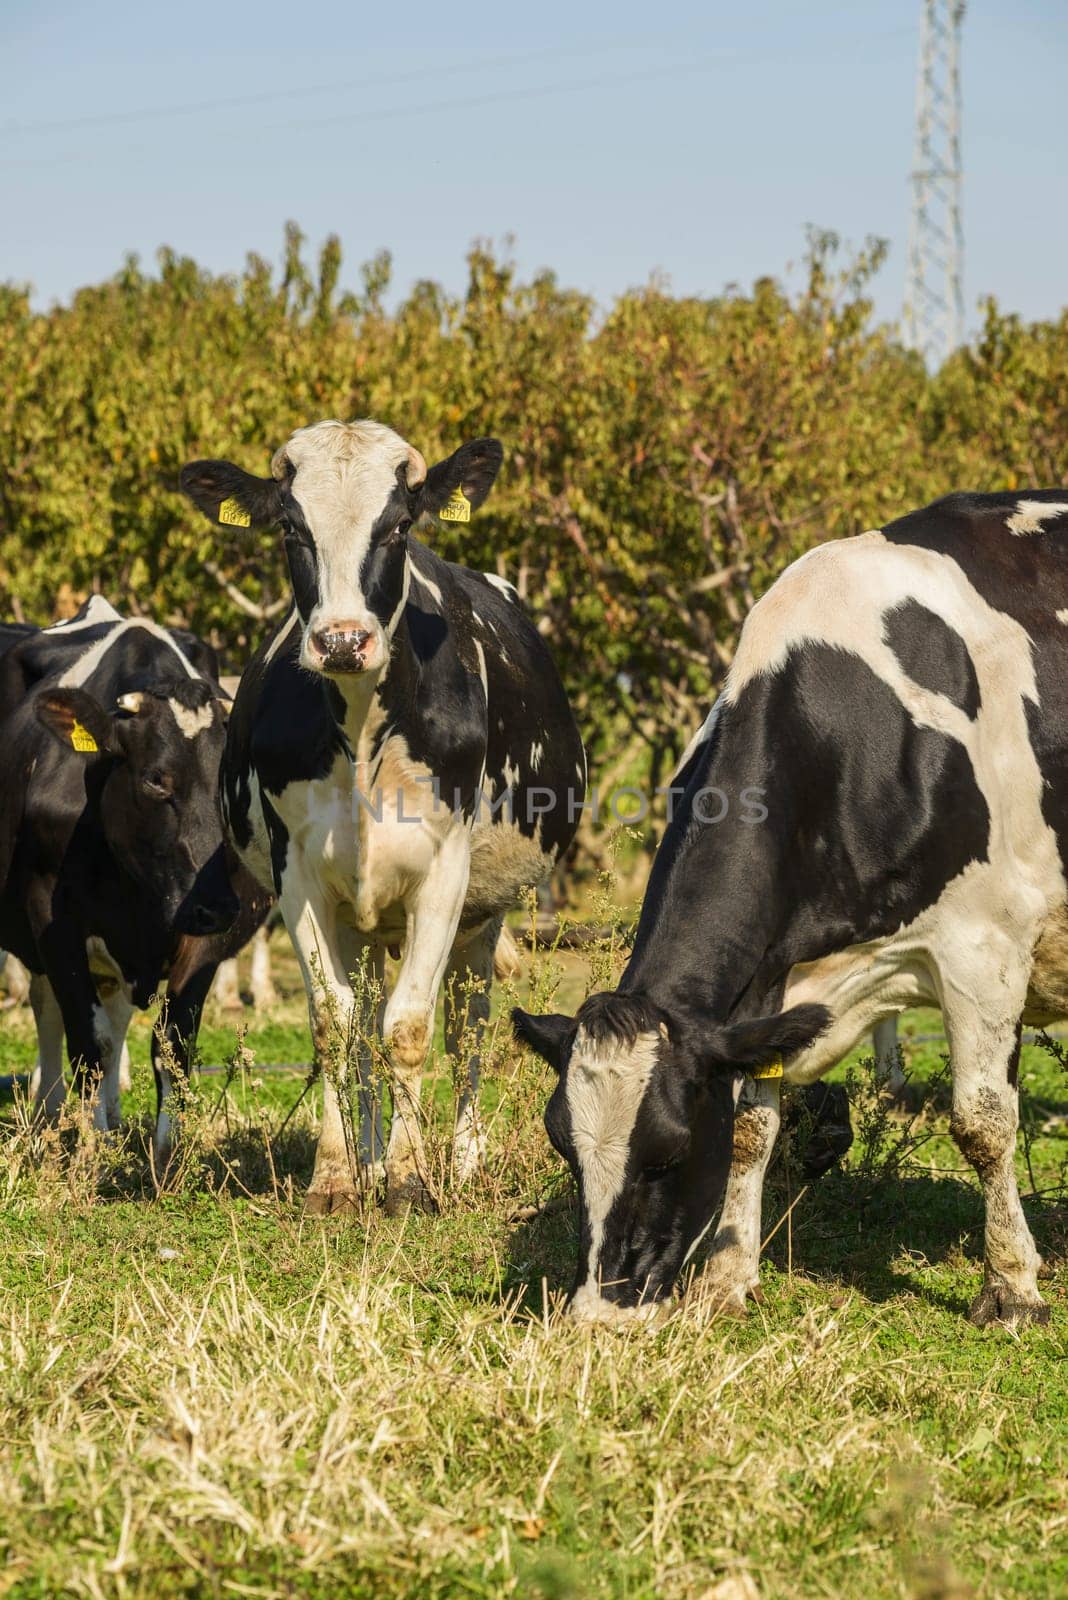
888 762
114 870
401 761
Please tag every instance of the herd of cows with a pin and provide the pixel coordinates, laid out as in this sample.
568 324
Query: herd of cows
889 767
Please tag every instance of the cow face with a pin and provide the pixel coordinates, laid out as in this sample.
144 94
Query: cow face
643 1114
345 496
155 772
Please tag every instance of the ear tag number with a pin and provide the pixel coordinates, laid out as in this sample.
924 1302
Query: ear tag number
233 513
457 508
770 1069
81 739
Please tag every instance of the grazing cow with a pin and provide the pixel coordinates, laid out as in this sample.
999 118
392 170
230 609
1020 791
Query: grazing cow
401 761
113 863
898 712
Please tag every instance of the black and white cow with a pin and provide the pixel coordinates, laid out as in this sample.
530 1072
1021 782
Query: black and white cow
401 761
113 863
896 719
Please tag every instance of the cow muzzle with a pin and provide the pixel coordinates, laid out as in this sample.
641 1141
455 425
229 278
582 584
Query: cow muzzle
341 647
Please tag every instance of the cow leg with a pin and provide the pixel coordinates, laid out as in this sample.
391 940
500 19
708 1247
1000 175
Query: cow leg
62 948
313 927
984 1057
118 1011
433 917
263 992
365 964
888 1073
468 977
48 1085
174 1040
228 986
732 1273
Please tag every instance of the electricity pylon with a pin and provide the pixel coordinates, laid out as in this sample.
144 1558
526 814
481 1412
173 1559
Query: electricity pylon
933 320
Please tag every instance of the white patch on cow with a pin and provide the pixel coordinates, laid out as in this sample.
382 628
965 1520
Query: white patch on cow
344 474
191 722
109 1062
428 584
537 750
511 773
1031 516
282 635
1062 615
97 611
509 590
481 654
475 618
82 669
48 1086
605 1085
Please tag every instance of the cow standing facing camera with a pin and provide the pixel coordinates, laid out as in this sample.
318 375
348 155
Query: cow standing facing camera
115 876
401 763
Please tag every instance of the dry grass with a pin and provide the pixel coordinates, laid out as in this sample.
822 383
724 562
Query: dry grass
203 1393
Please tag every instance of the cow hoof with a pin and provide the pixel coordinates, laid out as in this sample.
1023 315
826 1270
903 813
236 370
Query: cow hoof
717 1299
408 1193
996 1302
329 1198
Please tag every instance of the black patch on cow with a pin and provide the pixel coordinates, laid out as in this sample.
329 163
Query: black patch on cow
870 816
1026 577
932 654
1014 1058
278 835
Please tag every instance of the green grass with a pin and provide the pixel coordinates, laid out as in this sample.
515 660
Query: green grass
204 1393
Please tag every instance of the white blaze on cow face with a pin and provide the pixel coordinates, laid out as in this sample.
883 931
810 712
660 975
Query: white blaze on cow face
344 476
606 1082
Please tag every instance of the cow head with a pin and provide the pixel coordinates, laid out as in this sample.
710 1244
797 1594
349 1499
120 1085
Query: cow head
643 1114
155 764
345 496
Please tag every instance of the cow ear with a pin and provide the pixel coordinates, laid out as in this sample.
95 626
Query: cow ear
77 721
547 1036
230 497
763 1041
459 484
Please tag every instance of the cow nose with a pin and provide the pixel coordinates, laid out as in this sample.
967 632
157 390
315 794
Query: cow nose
342 645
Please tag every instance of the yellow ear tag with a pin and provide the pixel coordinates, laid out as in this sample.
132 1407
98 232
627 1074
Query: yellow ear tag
770 1069
82 739
233 513
457 508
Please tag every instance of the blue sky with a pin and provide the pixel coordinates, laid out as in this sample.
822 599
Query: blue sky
610 141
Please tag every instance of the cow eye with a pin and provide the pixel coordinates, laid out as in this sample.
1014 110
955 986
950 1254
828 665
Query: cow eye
157 785
401 529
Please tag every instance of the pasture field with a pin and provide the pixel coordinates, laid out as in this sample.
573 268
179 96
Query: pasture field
204 1393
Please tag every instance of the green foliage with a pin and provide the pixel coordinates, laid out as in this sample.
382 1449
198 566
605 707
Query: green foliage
664 459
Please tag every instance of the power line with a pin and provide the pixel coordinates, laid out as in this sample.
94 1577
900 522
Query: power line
273 96
409 110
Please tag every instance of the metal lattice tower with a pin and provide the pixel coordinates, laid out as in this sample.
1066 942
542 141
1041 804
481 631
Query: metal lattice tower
933 321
